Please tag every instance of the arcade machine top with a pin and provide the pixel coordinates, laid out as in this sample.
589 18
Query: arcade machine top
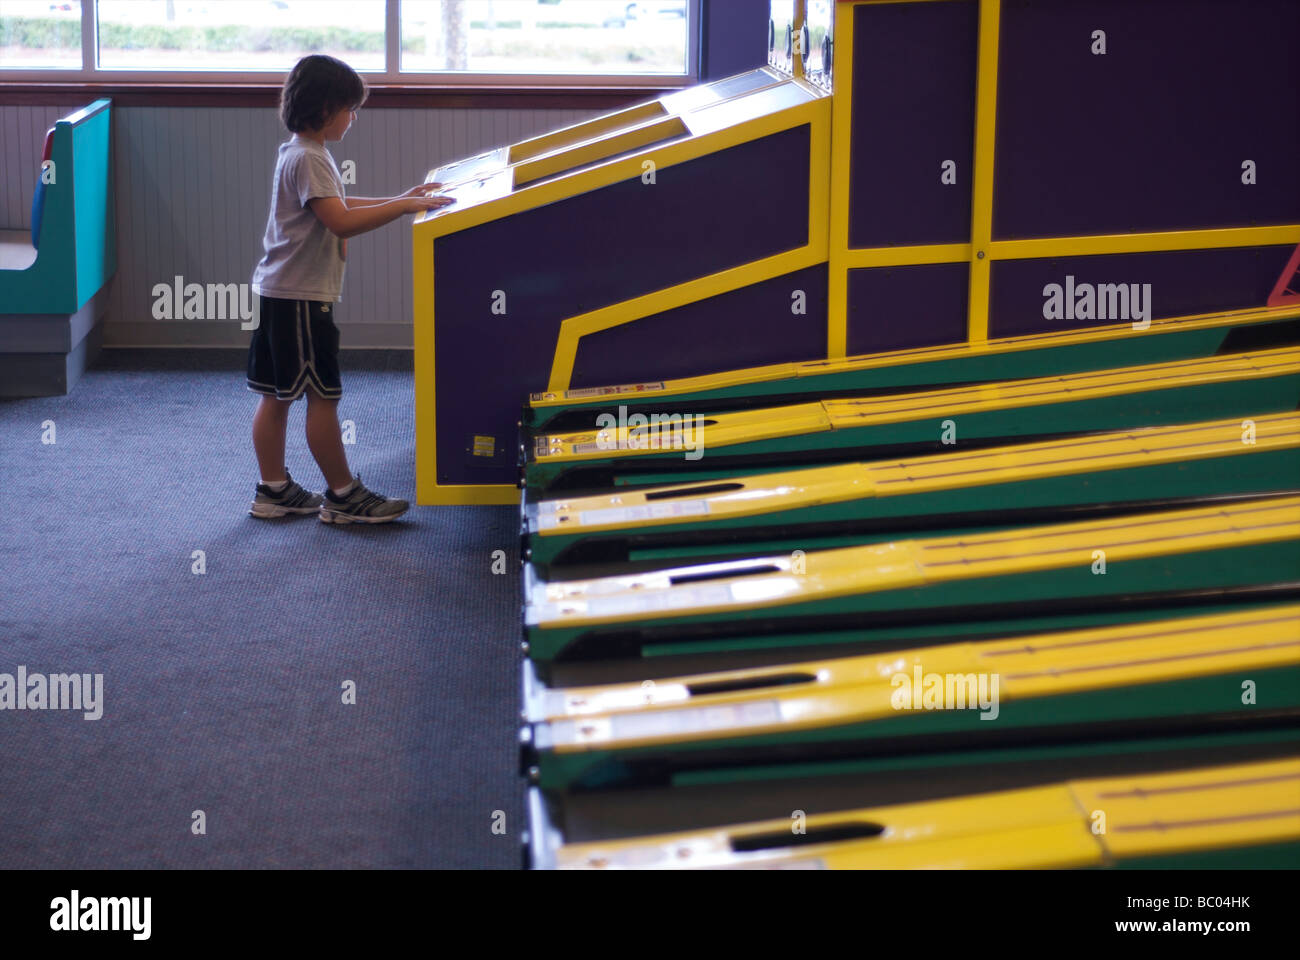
691 112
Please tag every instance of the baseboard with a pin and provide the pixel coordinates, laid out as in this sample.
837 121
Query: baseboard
227 333
236 358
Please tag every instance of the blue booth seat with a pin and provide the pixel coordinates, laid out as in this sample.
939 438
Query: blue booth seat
38 198
52 277
16 253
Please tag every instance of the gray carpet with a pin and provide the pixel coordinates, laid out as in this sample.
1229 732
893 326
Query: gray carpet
223 691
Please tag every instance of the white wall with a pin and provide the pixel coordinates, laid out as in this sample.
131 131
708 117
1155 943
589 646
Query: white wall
193 189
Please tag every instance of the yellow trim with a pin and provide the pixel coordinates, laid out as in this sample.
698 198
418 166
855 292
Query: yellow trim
855 690
703 432
644 508
986 102
589 129
471 494
837 293
907 255
1035 827
427 488
1081 246
453 219
561 161
426 420
1203 809
678 432
659 388
779 371
1036 391
815 114
573 329
1144 242
782 579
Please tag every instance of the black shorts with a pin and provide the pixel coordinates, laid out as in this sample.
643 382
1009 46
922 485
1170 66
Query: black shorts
295 344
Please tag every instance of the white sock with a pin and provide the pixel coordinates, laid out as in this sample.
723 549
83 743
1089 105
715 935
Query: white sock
344 491
277 487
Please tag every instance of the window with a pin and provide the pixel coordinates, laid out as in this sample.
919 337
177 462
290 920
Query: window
36 34
240 35
544 36
391 41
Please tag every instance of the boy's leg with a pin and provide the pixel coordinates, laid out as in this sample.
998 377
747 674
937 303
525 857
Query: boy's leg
358 504
275 370
270 421
277 495
325 439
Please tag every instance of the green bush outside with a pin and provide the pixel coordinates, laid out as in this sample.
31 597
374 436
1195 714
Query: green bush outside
40 34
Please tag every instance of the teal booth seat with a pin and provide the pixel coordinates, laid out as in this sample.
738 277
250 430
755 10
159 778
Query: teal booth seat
52 277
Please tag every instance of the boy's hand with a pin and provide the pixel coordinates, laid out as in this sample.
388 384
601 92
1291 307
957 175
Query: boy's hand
344 222
418 204
422 190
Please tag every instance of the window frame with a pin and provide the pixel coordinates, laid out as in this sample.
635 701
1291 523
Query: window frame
389 81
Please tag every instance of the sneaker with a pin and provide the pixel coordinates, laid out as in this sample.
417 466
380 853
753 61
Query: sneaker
360 506
292 499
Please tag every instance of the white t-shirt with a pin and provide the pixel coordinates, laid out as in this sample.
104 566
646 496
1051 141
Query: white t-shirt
303 260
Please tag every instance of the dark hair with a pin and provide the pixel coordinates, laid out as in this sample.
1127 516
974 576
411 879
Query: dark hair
316 89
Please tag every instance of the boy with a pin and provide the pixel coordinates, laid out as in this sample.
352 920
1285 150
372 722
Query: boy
294 348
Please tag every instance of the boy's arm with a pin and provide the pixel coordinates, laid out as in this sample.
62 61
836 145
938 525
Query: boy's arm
344 222
416 191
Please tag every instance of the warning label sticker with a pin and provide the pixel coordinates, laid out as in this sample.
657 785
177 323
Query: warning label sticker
622 604
612 391
549 519
643 512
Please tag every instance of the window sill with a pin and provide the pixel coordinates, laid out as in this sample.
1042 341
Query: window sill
429 96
